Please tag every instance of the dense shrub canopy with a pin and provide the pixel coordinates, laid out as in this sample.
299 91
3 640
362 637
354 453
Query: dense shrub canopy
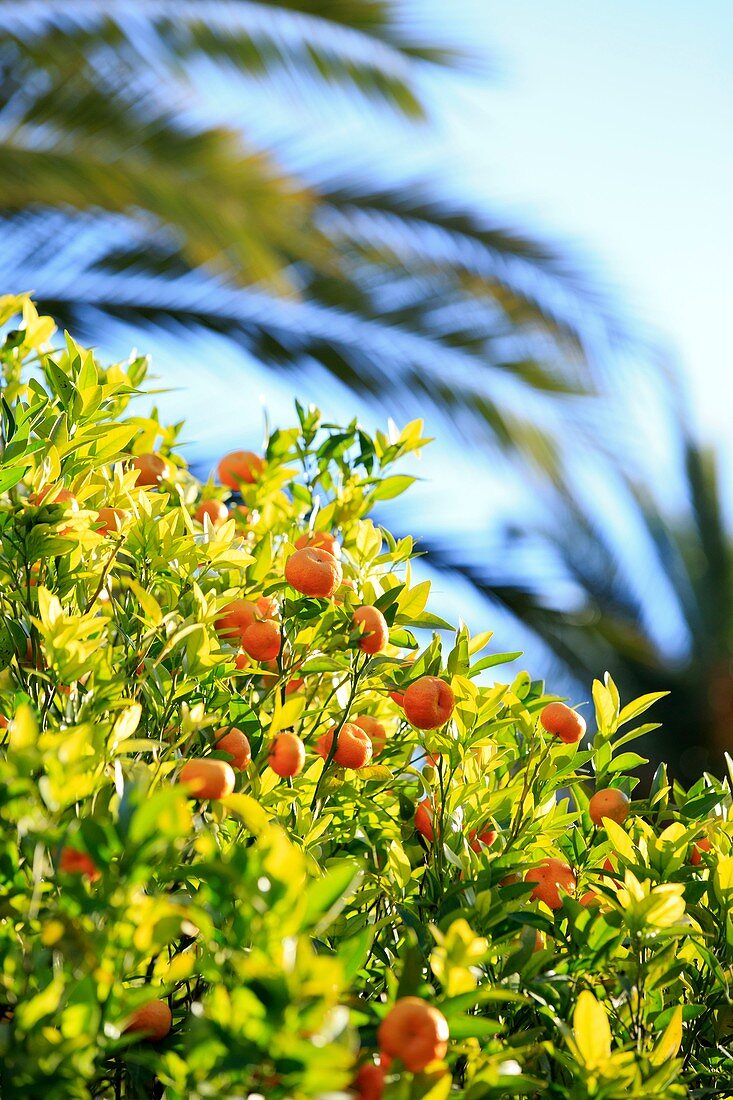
396 823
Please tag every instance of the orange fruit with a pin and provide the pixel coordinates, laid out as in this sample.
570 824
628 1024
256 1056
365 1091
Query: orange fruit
319 540
241 661
240 468
232 740
376 731
589 898
262 640
369 1082
486 836
154 1018
3 722
110 520
353 747
74 862
428 703
608 802
374 629
551 876
216 510
563 722
313 572
207 778
414 1032
286 755
151 469
234 618
56 494
700 846
425 818
266 607
293 686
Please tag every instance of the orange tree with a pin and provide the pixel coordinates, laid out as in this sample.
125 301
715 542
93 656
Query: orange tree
271 828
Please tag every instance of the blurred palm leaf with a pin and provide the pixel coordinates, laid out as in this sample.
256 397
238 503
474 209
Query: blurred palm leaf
397 292
595 609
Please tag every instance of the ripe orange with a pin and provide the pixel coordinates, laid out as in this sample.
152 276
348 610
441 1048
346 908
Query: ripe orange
151 469
397 697
294 685
232 740
375 632
110 520
487 836
56 494
286 755
608 802
233 620
428 703
425 818
590 898
319 540
74 862
700 846
369 1082
3 722
241 661
154 1018
313 572
240 467
216 510
414 1032
262 640
266 607
353 747
551 876
376 731
207 778
563 722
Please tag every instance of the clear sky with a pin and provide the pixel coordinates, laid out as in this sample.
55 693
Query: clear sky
609 123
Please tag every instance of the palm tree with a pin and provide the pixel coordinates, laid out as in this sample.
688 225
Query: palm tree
120 197
595 608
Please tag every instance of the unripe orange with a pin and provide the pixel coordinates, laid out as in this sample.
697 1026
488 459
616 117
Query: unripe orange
154 1018
313 572
428 703
207 778
369 1082
216 510
701 845
608 802
232 740
286 755
110 520
414 1032
563 722
319 540
375 632
74 862
240 467
376 731
151 469
262 640
551 876
353 747
424 819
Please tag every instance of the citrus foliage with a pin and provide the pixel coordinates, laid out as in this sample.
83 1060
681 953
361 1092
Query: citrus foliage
281 922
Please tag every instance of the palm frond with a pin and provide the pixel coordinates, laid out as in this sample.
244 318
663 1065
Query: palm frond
358 44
